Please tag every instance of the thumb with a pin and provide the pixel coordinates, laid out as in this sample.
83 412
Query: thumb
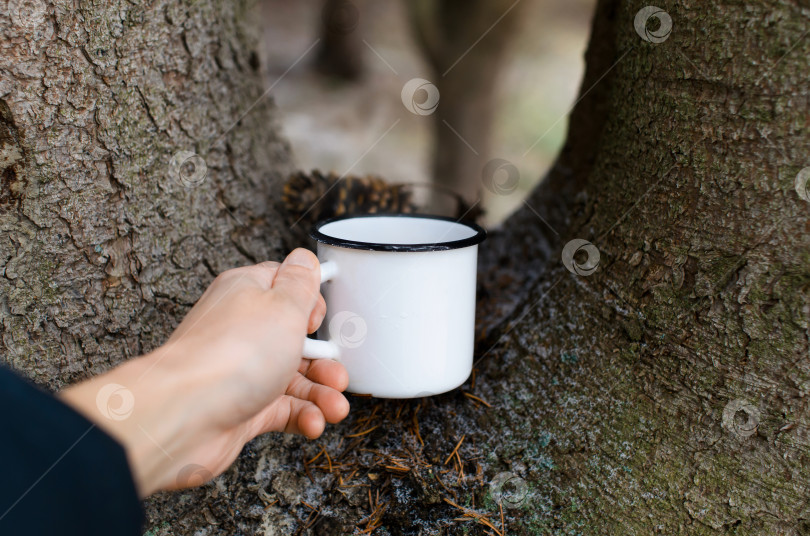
297 283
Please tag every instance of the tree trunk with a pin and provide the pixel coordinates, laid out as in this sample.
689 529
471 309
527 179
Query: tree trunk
665 392
111 227
341 50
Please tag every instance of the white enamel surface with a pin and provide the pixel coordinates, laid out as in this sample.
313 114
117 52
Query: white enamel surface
397 230
402 323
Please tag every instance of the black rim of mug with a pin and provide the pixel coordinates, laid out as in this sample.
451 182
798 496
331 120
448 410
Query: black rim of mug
477 238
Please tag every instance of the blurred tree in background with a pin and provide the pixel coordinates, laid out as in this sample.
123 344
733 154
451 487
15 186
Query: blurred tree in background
465 50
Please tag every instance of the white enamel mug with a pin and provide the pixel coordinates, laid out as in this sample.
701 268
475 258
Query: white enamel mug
400 302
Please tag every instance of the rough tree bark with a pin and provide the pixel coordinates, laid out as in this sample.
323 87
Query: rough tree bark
664 393
667 392
104 243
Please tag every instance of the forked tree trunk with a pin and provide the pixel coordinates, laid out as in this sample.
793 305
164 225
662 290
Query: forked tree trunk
666 392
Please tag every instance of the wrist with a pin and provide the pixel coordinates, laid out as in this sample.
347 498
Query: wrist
135 412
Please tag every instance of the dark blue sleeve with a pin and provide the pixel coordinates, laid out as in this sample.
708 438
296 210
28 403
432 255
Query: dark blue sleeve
59 473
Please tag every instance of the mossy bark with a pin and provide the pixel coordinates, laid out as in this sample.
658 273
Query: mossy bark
666 392
607 392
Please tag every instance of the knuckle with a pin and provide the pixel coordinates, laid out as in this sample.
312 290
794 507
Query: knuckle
299 273
227 275
263 273
267 270
268 264
236 278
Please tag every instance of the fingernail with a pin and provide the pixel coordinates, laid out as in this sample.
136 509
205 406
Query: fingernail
301 257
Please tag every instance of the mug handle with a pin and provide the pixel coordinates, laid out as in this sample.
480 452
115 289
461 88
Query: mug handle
315 349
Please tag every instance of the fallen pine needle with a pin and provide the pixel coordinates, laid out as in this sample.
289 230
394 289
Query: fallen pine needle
416 428
323 449
328 459
350 476
364 432
313 517
477 399
309 473
396 468
455 449
448 490
474 516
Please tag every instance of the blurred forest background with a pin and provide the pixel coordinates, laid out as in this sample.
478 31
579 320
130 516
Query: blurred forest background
331 122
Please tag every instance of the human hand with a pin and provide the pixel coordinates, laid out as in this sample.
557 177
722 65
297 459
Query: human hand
231 371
